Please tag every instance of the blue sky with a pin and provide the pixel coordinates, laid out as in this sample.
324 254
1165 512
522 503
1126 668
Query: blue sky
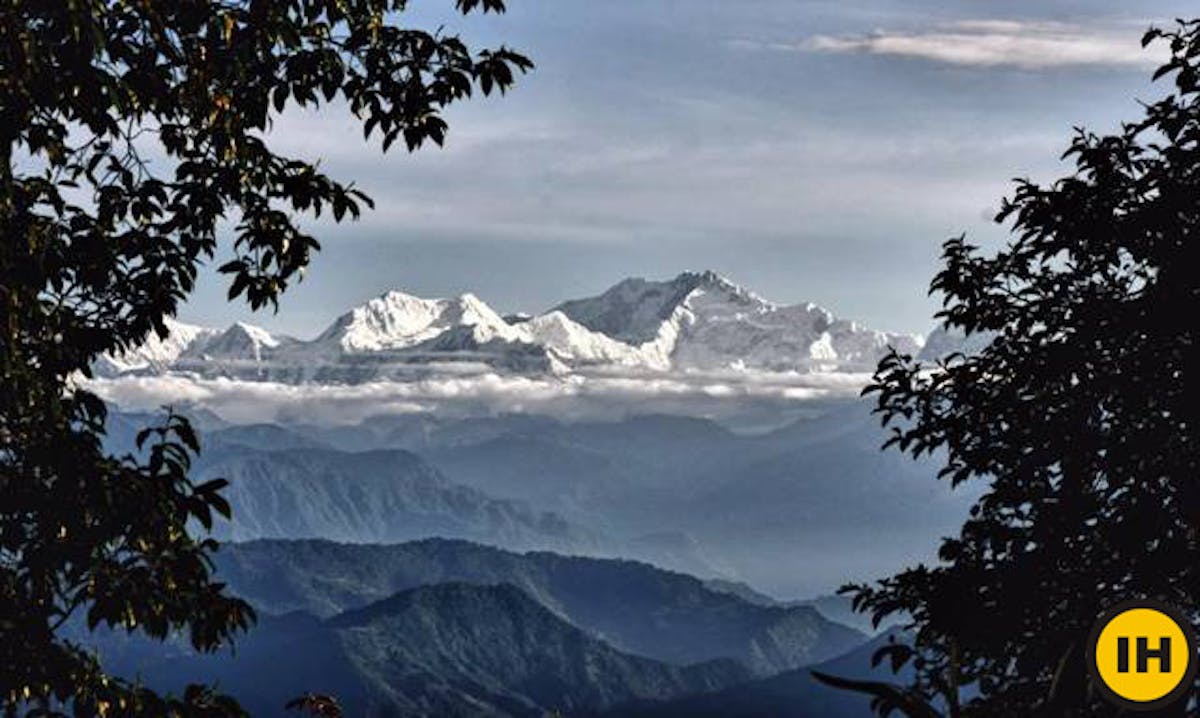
812 151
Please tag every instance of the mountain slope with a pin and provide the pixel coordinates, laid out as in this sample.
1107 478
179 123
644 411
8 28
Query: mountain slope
241 350
375 496
499 639
633 606
634 310
155 353
444 650
795 512
577 346
704 321
822 499
793 694
401 321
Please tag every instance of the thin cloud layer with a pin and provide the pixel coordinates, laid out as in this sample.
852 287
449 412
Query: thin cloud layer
999 43
736 397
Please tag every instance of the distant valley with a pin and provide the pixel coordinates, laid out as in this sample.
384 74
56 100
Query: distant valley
795 512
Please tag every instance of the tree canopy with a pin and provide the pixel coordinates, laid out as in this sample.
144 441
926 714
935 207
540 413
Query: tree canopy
131 133
1078 418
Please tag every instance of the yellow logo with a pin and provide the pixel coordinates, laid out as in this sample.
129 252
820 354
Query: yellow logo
1142 655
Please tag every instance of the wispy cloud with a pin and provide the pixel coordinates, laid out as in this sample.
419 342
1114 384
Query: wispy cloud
720 396
995 43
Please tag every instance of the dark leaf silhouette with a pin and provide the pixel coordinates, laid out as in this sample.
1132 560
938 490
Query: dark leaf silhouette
1078 418
101 246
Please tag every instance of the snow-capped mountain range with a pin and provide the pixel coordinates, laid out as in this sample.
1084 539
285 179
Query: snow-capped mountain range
696 322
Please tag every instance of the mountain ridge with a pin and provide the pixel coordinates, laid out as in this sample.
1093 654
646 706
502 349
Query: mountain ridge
451 649
633 606
309 491
696 321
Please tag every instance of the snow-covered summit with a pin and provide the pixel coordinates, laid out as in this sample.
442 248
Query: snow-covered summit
155 354
701 320
697 321
397 321
634 309
241 341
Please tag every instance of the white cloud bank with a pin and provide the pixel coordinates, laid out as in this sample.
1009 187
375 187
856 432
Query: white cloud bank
998 43
735 397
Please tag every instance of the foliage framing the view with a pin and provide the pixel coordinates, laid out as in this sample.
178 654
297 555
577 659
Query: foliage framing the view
1079 416
130 130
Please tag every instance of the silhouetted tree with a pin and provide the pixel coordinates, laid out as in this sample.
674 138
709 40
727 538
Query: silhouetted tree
1079 419
129 130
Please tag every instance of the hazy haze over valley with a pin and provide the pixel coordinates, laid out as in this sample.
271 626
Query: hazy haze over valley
686 422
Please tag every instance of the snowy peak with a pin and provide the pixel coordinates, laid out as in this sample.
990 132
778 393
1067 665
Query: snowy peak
155 354
240 342
575 344
710 281
701 320
697 321
634 310
397 321
256 336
